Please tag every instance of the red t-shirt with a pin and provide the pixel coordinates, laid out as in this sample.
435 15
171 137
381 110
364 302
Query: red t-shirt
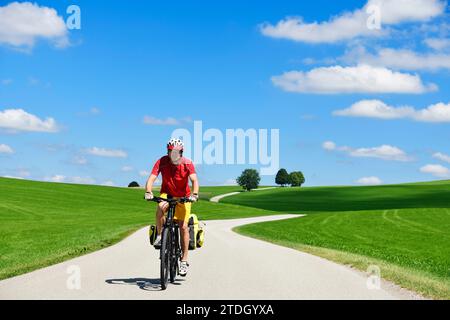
175 178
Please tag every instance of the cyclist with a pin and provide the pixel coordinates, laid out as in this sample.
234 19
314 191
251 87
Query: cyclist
176 171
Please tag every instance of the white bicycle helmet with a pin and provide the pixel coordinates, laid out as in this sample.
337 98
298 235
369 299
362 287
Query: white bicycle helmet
175 144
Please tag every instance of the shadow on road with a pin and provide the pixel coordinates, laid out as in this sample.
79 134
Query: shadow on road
142 283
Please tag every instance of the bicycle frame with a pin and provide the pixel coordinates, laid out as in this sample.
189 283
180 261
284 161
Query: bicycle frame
170 251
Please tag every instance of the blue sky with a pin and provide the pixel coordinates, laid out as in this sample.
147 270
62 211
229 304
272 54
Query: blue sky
215 62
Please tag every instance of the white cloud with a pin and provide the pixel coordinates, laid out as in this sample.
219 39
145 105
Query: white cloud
398 11
62 178
56 178
441 156
22 24
329 145
436 170
127 168
384 152
20 120
108 183
357 79
439 112
374 109
369 181
6 149
354 24
399 59
437 43
161 122
102 152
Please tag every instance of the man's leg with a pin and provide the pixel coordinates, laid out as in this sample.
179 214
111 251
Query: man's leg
184 230
160 210
184 233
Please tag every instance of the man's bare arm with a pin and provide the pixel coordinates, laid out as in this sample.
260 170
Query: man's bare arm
195 185
150 181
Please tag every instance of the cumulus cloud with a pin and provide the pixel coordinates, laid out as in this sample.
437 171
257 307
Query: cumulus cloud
442 157
357 79
399 59
374 109
436 170
6 149
127 168
439 112
110 153
384 152
354 24
437 43
369 181
22 24
19 120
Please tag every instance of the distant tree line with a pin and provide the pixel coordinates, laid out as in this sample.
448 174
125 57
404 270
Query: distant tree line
295 178
249 179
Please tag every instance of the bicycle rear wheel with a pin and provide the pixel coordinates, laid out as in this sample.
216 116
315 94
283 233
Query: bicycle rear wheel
166 244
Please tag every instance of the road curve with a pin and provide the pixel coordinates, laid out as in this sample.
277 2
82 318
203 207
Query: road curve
221 196
229 266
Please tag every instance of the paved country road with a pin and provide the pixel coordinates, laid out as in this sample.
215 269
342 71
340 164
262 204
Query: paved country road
229 266
221 196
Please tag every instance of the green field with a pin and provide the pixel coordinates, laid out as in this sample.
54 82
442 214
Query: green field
43 223
404 229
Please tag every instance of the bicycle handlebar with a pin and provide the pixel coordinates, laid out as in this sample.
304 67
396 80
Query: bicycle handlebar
171 201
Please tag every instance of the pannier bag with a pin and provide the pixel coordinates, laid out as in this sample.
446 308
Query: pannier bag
196 233
200 237
152 234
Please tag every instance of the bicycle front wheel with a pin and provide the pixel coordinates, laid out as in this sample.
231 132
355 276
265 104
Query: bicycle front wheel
166 244
174 257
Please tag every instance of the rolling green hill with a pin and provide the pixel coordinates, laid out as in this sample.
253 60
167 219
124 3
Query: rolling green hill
403 229
317 199
43 223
